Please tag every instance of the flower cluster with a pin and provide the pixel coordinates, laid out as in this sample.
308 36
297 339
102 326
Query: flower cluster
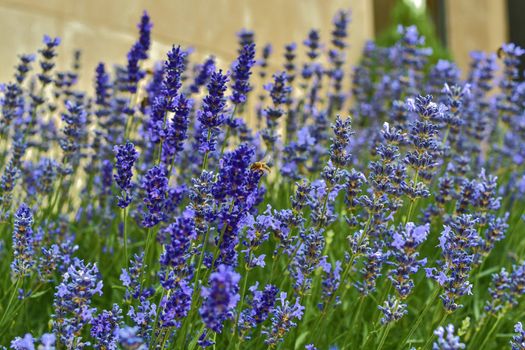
447 340
126 157
260 214
72 302
456 242
220 298
23 238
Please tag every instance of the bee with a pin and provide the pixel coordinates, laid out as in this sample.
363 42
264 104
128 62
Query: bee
260 166
145 102
500 53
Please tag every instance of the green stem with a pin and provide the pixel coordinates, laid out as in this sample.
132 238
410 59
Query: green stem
146 256
10 302
194 341
355 319
489 334
423 313
343 277
429 340
126 257
182 336
243 294
412 201
384 336
205 159
228 132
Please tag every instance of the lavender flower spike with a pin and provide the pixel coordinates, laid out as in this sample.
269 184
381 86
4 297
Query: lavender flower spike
23 238
220 298
283 319
446 339
126 156
73 302
211 115
518 341
241 71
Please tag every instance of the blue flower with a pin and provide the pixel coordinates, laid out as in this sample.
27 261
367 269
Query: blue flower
144 27
177 130
74 130
126 157
174 67
204 72
307 259
47 63
23 238
245 37
457 243
211 115
312 43
105 328
137 53
102 87
23 68
260 305
339 154
289 65
393 310
130 340
506 288
263 63
283 316
155 186
72 302
518 341
405 262
447 340
279 92
331 279
12 105
220 298
371 270
241 71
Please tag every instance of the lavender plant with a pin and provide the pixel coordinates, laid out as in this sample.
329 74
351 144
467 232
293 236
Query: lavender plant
187 205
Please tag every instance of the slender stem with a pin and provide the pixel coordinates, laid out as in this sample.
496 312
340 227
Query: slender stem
205 159
429 303
10 302
446 136
195 340
429 340
156 321
384 336
355 319
146 256
412 201
489 334
54 199
343 277
182 336
165 339
243 294
228 132
214 340
125 219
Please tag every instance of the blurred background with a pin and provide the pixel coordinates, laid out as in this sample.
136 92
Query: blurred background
105 30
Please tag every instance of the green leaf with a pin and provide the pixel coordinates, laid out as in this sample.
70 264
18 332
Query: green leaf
38 294
300 339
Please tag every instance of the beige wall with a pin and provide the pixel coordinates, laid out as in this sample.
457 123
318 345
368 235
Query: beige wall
105 29
475 25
